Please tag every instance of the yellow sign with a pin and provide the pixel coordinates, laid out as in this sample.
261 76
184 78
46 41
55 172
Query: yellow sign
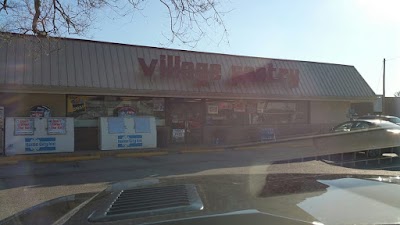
76 104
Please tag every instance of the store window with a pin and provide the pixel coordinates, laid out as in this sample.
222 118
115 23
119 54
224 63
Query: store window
86 109
229 112
280 112
221 113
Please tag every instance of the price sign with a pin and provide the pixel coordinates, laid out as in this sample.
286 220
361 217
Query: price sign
56 126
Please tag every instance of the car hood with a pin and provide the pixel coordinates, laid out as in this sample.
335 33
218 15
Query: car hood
355 201
229 199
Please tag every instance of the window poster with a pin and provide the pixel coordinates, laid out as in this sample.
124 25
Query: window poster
260 107
40 111
225 105
126 111
212 109
158 104
76 103
178 135
239 106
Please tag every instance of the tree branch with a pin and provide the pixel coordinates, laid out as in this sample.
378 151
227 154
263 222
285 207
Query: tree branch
35 20
189 20
171 26
3 6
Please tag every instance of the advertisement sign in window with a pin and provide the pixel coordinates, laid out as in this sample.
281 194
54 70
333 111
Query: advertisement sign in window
56 126
178 135
260 107
126 111
239 106
212 109
23 126
40 111
225 105
76 104
158 104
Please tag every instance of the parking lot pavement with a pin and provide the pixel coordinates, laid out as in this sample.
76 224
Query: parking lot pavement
130 160
253 167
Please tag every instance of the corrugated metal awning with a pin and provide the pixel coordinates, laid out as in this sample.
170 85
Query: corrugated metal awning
86 67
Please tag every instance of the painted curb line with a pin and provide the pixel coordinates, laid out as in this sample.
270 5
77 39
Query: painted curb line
141 154
202 150
66 159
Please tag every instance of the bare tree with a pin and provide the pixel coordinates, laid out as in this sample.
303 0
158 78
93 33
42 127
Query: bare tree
397 94
188 19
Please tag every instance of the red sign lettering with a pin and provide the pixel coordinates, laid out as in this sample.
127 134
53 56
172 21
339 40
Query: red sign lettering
148 70
202 73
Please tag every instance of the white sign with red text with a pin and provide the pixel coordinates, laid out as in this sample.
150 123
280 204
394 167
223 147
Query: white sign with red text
56 126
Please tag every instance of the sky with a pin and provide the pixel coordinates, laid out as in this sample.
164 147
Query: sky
351 32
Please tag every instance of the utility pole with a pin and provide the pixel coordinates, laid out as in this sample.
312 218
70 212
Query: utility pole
383 88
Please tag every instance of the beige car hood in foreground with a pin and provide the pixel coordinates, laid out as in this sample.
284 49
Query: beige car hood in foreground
355 201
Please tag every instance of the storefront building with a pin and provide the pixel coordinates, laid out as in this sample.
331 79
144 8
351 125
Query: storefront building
197 98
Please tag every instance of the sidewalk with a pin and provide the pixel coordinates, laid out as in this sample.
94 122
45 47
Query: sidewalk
98 154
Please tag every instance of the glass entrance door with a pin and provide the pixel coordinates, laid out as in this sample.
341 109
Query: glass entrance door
186 119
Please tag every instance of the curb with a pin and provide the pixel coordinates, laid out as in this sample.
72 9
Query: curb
66 159
141 154
94 155
202 150
8 162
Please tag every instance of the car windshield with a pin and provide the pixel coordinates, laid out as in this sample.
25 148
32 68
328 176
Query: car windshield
395 120
171 111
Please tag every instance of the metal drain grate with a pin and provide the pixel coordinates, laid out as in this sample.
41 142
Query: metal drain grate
150 201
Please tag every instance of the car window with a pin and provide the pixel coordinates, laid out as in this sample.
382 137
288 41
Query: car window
343 127
394 120
368 117
360 125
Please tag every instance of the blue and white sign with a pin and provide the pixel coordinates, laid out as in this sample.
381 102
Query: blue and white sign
267 134
120 133
40 144
128 141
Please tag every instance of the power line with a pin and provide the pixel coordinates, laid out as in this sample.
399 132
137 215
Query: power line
398 57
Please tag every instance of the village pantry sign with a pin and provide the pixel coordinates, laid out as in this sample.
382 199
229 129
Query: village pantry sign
203 73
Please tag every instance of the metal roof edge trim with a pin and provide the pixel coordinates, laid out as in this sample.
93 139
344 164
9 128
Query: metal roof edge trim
365 81
171 94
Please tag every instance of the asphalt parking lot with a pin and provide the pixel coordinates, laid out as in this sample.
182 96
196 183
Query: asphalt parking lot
39 182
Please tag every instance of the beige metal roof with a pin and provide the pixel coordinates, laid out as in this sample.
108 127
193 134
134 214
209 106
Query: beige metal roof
88 67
